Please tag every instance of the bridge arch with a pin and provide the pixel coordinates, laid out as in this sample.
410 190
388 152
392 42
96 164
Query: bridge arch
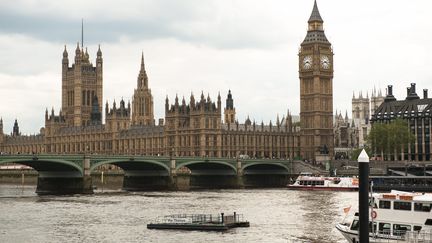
44 165
210 164
262 174
140 174
127 164
262 166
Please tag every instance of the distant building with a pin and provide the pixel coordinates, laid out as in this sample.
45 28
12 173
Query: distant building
362 107
346 136
417 112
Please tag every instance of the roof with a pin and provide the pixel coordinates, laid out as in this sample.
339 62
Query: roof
389 110
315 16
315 36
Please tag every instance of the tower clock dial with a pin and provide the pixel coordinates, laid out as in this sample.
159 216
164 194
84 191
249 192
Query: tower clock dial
325 62
307 62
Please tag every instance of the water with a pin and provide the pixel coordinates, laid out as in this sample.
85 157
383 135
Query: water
275 215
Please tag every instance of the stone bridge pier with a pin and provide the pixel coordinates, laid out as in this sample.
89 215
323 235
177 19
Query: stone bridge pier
54 179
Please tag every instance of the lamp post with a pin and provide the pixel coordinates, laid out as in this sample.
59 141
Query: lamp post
363 160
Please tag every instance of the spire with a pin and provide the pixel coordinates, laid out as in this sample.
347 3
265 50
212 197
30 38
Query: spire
65 53
315 16
82 34
142 76
142 61
99 52
353 95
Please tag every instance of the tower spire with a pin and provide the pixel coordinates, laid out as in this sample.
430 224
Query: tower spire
315 16
142 61
82 34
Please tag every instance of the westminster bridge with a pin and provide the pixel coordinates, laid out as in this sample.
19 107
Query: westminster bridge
68 174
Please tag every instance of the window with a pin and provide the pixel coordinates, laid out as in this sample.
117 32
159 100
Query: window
384 228
400 229
402 206
417 228
423 207
428 222
355 225
384 204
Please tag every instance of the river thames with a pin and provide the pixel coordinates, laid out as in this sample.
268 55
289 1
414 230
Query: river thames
275 215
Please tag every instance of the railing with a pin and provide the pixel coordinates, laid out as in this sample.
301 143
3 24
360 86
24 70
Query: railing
403 236
199 219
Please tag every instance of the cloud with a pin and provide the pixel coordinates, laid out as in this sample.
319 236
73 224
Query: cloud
211 46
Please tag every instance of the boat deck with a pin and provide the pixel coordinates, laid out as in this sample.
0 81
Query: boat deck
204 222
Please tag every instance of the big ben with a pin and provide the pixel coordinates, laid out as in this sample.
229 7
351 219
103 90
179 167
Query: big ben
316 91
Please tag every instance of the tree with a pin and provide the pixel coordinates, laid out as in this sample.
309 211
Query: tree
390 139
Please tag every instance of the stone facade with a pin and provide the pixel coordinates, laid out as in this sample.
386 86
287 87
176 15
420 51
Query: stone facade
316 91
362 108
193 128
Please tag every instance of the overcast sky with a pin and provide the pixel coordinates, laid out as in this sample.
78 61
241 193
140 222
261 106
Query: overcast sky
248 46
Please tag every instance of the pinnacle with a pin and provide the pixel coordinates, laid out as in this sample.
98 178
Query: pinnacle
315 16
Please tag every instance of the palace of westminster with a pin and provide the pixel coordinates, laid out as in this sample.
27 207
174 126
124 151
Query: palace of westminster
197 127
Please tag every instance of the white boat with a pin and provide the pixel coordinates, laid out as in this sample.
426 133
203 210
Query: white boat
396 217
306 181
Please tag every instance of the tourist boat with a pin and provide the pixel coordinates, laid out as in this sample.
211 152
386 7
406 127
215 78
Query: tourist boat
396 217
306 181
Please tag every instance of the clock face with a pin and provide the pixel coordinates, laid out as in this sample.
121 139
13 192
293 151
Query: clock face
307 62
325 62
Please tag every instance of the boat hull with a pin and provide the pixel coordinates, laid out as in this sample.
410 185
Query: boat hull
353 237
321 188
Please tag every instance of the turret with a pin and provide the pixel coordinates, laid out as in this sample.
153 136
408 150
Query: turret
106 109
15 132
77 54
1 131
166 104
229 112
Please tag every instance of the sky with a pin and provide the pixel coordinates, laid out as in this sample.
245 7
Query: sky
209 46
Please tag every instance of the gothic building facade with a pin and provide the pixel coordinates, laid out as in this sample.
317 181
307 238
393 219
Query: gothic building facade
195 127
316 90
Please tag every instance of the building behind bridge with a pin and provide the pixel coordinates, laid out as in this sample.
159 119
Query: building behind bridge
192 128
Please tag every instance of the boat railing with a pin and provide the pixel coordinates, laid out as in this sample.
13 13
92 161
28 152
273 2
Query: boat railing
199 219
404 236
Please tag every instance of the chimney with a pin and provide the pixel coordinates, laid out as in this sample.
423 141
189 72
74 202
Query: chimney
389 96
425 93
408 91
413 91
390 90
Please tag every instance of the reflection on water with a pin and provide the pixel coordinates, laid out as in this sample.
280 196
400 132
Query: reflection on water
275 215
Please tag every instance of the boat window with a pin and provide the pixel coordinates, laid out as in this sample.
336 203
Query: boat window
417 228
400 229
428 222
384 228
384 204
402 205
423 207
355 225
337 181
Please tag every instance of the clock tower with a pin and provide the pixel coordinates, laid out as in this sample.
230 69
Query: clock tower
316 91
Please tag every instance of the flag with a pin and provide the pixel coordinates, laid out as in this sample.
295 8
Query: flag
347 209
